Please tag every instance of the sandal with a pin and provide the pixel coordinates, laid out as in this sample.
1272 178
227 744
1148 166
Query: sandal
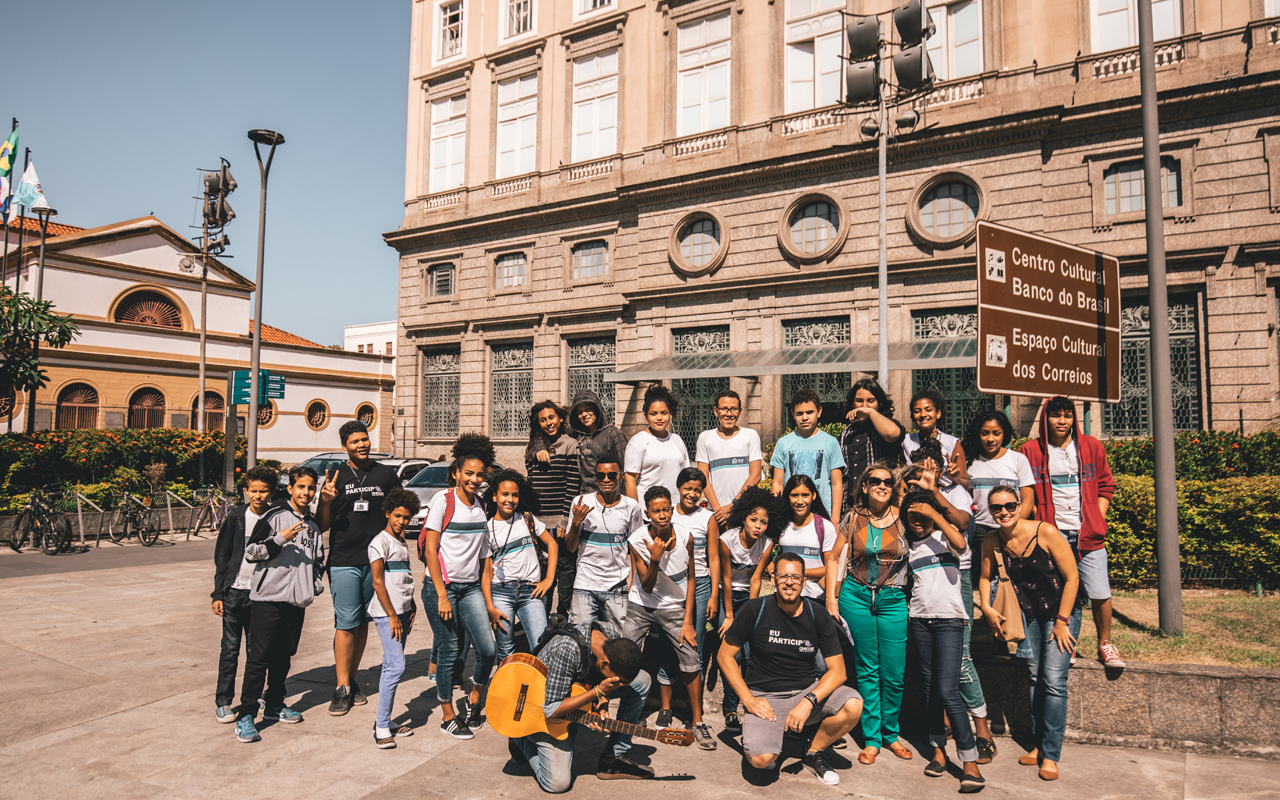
868 755
986 750
901 751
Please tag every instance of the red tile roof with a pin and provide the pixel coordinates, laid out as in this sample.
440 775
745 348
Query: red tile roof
277 336
31 225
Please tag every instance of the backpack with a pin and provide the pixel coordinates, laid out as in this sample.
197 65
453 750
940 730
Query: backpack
559 625
450 504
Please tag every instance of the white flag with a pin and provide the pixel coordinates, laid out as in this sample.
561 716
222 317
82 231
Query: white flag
29 193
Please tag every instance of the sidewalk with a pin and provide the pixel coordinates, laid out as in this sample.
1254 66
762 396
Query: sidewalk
108 692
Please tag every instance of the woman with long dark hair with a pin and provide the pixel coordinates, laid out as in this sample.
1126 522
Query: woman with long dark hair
808 531
871 434
551 461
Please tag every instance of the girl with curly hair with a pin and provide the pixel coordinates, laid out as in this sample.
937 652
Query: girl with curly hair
512 580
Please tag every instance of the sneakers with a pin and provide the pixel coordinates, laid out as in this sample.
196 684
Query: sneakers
340 703
245 730
702 735
473 716
402 731
614 768
457 728
664 719
282 714
1109 655
357 696
225 714
383 742
732 722
840 744
816 763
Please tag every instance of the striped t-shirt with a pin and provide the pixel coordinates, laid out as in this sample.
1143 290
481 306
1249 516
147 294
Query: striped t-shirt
728 460
672 583
743 561
511 547
806 543
936 566
462 543
695 525
603 564
396 574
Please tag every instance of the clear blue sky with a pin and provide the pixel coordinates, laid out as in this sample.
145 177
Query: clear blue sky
121 101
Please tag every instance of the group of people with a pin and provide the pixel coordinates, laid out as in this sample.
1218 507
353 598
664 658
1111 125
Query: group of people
605 542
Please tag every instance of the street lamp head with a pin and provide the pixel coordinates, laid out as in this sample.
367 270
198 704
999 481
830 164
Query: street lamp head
264 136
908 120
870 128
45 212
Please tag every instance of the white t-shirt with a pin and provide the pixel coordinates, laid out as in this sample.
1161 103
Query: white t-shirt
672 583
985 474
246 566
728 460
911 443
936 565
511 545
804 543
602 544
396 573
962 500
655 462
743 562
463 544
695 525
1064 476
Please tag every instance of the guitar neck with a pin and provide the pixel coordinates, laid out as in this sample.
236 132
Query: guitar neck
610 724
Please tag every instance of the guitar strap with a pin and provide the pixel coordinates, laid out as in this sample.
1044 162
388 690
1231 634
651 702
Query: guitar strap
559 625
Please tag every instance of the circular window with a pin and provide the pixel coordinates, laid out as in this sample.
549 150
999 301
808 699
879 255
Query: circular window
698 243
149 308
366 413
946 208
8 404
266 414
811 228
317 415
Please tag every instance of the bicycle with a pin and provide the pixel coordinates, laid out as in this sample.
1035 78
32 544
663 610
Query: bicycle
46 527
214 508
135 515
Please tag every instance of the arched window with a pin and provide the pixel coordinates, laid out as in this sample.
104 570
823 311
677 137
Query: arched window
814 226
366 413
214 413
146 409
149 308
948 209
77 407
317 414
7 404
699 241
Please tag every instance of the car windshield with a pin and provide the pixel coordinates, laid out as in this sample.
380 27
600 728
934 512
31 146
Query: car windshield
323 465
436 477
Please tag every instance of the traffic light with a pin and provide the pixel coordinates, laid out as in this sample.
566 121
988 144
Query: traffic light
911 62
217 185
862 73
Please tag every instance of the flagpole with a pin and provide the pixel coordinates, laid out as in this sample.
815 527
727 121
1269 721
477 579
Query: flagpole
22 225
4 260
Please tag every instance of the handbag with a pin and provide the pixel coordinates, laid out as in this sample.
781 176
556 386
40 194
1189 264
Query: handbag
1006 605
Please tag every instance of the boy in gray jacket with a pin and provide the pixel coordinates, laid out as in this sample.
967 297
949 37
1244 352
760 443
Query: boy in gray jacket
289 551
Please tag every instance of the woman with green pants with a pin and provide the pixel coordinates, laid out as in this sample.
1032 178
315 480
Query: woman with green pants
873 604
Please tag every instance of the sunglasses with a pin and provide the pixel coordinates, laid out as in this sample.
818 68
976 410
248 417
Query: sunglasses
874 482
607 475
996 508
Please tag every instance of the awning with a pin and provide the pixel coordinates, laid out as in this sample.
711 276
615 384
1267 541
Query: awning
927 354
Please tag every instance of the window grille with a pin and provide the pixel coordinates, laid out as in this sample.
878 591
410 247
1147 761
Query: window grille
519 16
213 413
440 280
1125 185
441 382
149 308
366 414
589 361
1132 415
591 260
146 409
958 386
511 269
830 386
697 395
451 29
512 391
317 415
77 407
266 413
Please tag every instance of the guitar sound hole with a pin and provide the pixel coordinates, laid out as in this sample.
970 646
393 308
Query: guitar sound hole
524 694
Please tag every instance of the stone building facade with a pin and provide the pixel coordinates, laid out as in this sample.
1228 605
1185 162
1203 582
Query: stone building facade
603 194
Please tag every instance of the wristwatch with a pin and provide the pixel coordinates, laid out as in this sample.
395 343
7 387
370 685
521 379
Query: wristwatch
812 698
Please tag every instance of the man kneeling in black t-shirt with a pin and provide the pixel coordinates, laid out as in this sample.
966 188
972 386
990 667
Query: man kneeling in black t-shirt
781 690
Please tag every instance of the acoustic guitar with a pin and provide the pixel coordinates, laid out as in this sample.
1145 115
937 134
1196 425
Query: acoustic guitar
516 695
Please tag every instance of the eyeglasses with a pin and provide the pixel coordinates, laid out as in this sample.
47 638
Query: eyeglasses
996 508
608 476
789 579
873 482
729 410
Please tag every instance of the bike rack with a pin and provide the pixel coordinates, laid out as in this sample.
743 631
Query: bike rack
102 515
168 503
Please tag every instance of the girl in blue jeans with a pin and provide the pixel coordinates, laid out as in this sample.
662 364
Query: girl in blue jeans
1040 566
453 546
392 608
744 555
513 583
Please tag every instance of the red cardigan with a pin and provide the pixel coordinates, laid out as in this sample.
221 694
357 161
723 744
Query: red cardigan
1096 481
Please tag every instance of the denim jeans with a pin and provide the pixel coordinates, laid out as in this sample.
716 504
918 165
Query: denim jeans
470 614
730 703
939 644
236 610
701 599
630 708
515 598
392 666
1047 669
588 606
970 686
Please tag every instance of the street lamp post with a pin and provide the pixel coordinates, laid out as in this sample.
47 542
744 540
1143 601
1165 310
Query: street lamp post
43 214
259 137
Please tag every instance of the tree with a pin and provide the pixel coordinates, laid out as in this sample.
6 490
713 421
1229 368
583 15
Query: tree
23 319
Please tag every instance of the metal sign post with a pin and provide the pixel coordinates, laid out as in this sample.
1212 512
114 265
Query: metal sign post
1048 317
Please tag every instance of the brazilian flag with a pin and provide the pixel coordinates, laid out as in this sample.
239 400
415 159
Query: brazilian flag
8 154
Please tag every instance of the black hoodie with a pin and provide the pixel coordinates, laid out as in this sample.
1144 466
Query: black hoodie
591 446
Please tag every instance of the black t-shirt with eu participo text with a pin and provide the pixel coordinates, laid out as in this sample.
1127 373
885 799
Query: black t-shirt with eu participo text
783 648
356 513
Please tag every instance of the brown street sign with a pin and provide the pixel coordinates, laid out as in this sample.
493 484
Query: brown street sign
1048 317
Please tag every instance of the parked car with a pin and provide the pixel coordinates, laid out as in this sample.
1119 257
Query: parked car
428 483
406 468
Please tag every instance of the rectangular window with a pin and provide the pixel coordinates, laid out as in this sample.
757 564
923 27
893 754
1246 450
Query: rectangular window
519 17
1125 185
440 281
512 391
1115 22
589 361
958 386
390 348
955 50
1132 416
441 382
697 395
832 387
595 106
590 259
451 29
592 5
448 143
510 270
1272 8
815 69
517 125
703 80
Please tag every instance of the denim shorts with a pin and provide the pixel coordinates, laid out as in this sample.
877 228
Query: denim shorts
1092 564
352 589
